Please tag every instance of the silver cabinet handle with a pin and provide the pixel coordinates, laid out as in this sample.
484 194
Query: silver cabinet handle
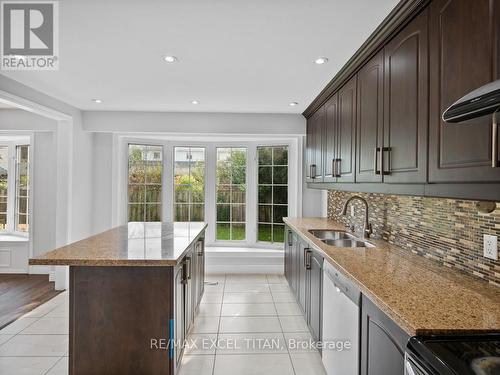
382 150
334 167
494 140
313 171
290 238
337 170
188 267
307 259
375 159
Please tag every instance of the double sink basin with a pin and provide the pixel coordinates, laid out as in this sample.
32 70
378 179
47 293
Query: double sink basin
339 238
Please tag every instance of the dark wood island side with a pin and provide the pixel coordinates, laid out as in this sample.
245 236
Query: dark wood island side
133 292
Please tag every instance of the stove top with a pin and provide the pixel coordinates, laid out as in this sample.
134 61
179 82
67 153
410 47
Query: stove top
462 355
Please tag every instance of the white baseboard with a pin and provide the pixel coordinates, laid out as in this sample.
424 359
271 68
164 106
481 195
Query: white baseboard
244 260
39 270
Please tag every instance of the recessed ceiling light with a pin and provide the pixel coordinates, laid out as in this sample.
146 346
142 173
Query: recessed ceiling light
321 60
170 59
195 102
293 104
98 101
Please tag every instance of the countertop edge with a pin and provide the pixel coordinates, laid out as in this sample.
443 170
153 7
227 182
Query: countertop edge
396 317
74 262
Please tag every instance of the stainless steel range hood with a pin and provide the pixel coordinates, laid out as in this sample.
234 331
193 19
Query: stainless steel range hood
482 101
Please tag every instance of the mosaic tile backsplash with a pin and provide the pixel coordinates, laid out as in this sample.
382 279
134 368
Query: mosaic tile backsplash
449 231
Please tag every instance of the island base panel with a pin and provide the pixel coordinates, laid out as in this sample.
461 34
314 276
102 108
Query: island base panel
116 314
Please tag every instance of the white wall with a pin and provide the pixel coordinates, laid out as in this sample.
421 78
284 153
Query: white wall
196 123
18 119
44 192
103 194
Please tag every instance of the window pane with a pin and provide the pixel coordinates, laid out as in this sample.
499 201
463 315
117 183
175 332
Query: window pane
265 155
153 212
265 214
272 192
197 212
264 233
223 212
189 181
224 194
238 212
136 212
145 182
22 188
280 175
278 213
238 194
280 156
265 194
265 175
278 233
231 193
280 194
223 232
181 212
237 232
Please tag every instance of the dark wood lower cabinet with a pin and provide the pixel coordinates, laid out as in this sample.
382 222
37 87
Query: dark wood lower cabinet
315 294
122 317
383 342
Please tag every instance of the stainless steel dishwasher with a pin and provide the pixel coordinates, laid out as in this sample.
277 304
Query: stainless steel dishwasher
341 321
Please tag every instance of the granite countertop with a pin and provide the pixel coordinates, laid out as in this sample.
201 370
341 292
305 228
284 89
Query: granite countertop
421 296
134 244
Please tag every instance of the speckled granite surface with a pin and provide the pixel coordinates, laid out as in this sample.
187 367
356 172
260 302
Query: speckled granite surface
421 296
135 244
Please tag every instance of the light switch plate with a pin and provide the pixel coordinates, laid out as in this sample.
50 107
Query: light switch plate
490 246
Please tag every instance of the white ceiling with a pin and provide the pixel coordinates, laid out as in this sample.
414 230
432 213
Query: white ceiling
234 55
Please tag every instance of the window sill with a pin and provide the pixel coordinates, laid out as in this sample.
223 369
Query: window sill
13 237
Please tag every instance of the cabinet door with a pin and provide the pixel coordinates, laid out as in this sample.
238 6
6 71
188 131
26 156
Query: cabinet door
330 149
382 342
295 264
370 117
189 298
309 155
200 270
463 57
346 132
406 102
288 255
302 277
179 317
315 289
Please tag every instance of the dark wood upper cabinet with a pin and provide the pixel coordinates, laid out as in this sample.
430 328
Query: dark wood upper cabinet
370 117
406 103
464 55
331 130
346 132
314 146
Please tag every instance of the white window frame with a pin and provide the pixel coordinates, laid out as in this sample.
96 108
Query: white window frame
294 144
11 189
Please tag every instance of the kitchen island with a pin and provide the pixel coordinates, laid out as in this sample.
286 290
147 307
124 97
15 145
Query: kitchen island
133 294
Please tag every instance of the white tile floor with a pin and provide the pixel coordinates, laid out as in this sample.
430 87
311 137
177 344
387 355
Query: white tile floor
252 318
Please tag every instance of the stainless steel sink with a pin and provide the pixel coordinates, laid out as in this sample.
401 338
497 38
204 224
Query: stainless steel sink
354 242
332 235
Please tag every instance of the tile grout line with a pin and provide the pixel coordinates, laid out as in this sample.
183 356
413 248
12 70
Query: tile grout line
283 334
218 328
54 365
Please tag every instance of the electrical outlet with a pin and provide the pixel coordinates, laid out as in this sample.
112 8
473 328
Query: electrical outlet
490 247
352 210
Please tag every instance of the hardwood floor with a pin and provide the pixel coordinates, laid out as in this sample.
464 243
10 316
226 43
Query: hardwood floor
20 293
